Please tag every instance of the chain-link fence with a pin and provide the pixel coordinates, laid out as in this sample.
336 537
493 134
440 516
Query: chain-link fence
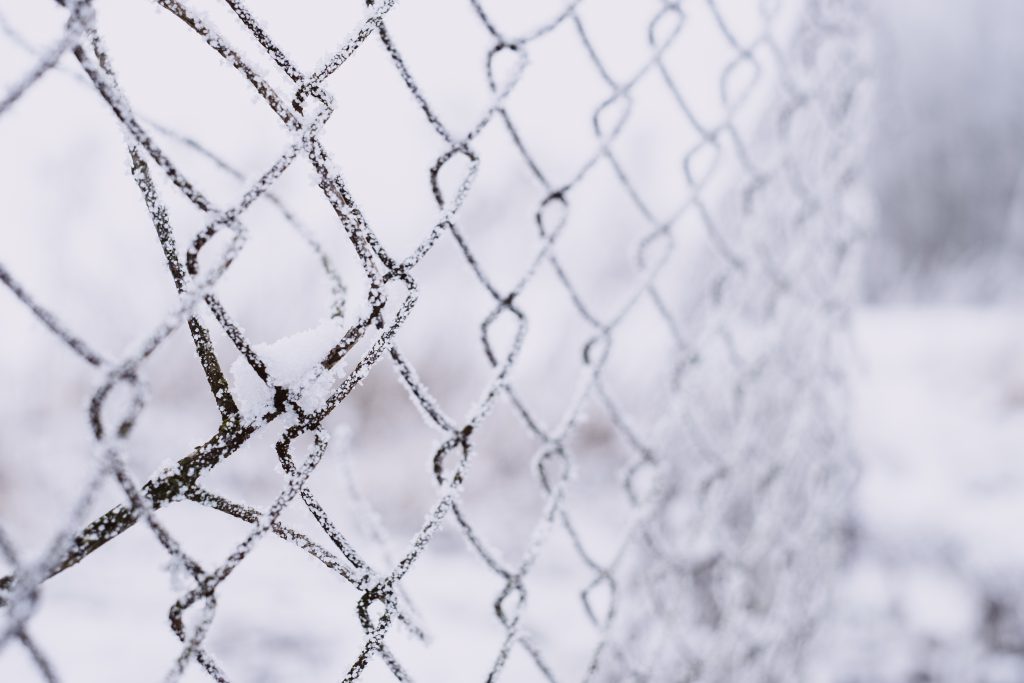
604 247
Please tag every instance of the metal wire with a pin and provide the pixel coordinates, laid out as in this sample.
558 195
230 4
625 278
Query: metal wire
734 499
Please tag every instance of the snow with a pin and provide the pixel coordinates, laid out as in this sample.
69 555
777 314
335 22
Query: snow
292 362
939 428
938 423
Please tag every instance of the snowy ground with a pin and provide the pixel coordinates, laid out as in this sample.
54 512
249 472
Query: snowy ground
931 592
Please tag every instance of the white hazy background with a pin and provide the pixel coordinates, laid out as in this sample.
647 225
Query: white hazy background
931 590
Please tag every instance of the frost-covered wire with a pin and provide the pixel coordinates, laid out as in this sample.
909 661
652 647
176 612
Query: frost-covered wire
732 500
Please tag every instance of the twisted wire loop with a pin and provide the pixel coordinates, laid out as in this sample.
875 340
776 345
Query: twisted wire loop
732 468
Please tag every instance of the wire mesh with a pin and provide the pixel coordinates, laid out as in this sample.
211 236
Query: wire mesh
693 467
